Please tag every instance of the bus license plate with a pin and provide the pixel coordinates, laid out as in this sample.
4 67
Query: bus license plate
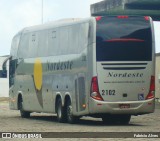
124 106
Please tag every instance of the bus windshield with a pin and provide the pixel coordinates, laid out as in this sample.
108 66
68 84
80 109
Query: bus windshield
123 39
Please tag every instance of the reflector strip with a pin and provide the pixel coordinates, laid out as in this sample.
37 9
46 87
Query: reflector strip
122 17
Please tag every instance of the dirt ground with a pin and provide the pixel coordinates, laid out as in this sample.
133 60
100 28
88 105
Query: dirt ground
4 99
10 121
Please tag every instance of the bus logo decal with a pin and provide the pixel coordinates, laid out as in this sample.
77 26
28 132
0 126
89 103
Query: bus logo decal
37 77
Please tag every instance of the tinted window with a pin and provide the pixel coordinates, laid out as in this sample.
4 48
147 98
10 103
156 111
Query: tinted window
42 43
53 37
123 39
31 50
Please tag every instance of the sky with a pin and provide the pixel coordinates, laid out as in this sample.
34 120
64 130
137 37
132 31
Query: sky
17 14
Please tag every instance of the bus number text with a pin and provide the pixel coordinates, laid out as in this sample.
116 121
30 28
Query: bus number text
108 92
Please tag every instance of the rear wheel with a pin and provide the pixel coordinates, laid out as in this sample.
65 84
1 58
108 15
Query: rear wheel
124 119
109 119
116 119
23 113
60 111
70 117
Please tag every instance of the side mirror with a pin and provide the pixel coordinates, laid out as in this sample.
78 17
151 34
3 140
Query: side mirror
3 73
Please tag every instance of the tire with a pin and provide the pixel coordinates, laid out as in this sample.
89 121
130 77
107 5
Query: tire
60 112
116 119
70 117
124 119
109 119
23 113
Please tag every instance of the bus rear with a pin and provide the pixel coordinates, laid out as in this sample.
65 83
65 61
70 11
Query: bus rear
124 84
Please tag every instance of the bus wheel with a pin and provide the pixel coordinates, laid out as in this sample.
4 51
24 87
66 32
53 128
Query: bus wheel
116 119
70 118
60 111
23 113
108 119
124 119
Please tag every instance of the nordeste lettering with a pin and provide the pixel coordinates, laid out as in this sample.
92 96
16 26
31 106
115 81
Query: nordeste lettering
112 74
59 66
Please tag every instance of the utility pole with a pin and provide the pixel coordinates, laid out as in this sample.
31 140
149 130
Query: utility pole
42 11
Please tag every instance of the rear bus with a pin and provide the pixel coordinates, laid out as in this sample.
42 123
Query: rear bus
125 67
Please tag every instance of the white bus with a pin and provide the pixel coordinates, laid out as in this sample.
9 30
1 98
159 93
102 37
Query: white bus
102 67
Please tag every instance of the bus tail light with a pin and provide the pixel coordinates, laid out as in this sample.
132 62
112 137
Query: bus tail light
152 88
146 18
98 18
95 90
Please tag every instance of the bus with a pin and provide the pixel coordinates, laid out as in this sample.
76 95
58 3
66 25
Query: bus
102 67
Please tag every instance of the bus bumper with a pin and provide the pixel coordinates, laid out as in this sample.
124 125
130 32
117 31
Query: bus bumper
129 107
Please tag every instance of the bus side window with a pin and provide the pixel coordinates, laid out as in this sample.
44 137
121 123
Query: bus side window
63 41
53 41
42 46
83 37
73 39
33 45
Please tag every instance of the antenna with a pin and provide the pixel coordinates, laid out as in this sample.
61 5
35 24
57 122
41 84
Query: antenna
42 11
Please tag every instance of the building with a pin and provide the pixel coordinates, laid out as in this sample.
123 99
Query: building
127 7
4 82
157 78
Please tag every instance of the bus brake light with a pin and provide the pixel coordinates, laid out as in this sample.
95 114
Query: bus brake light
146 18
122 17
125 40
98 18
95 90
152 88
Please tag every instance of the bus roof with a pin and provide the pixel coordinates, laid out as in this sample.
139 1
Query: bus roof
55 24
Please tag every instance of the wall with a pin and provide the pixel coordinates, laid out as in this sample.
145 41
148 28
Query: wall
4 82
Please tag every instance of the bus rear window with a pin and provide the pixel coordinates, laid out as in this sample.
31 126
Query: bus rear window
123 39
